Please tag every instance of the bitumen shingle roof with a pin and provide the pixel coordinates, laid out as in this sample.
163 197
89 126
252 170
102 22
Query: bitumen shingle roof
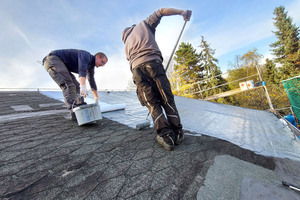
43 155
257 130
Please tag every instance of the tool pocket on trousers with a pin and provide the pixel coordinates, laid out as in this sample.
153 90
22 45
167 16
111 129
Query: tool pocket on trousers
140 97
56 76
155 69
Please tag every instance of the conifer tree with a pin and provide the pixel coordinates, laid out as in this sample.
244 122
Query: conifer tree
187 69
274 85
286 49
270 72
211 69
188 63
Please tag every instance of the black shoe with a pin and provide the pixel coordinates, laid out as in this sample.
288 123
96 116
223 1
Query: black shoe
79 104
167 141
83 103
80 101
73 116
179 137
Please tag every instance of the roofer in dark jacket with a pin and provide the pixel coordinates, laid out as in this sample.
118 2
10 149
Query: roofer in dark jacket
60 63
153 87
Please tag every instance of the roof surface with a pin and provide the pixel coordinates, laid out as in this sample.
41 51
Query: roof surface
256 130
43 155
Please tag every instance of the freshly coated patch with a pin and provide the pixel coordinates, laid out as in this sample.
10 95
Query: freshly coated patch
10 117
22 108
46 105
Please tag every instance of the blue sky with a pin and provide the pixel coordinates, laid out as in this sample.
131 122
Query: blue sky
31 29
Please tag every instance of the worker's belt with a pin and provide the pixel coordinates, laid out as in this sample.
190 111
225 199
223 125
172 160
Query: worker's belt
50 54
151 61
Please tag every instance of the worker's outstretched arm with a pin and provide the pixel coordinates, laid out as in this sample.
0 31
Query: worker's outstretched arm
170 11
154 19
173 11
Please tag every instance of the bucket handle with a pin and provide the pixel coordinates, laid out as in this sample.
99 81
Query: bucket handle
78 96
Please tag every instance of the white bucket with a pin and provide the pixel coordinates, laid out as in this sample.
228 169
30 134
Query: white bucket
87 113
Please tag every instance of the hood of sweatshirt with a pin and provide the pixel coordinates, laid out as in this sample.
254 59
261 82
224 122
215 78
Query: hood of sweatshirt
127 32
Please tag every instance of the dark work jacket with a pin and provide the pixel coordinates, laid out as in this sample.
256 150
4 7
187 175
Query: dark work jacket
78 61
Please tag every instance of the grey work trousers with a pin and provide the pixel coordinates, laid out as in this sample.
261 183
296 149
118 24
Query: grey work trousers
154 91
64 79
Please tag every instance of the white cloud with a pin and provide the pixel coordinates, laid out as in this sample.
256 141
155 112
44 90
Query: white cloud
168 32
115 74
15 29
24 72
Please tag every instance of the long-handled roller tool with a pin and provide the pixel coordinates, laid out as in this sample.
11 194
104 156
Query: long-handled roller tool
188 17
146 124
293 187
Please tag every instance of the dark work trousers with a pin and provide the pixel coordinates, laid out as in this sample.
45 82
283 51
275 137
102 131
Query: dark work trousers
64 79
154 91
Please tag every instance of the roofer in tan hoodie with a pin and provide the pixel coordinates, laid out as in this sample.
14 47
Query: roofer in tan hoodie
153 86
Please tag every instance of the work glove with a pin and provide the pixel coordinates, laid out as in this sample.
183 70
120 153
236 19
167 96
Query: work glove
83 91
187 15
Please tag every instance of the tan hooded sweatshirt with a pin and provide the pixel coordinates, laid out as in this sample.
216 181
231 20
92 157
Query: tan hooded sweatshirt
139 40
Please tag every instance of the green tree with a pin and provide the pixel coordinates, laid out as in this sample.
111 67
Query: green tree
212 72
187 69
275 87
187 60
286 49
247 70
251 58
245 66
270 73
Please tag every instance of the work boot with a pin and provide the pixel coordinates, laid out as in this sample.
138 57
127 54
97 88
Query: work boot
167 141
179 137
80 101
83 103
73 116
